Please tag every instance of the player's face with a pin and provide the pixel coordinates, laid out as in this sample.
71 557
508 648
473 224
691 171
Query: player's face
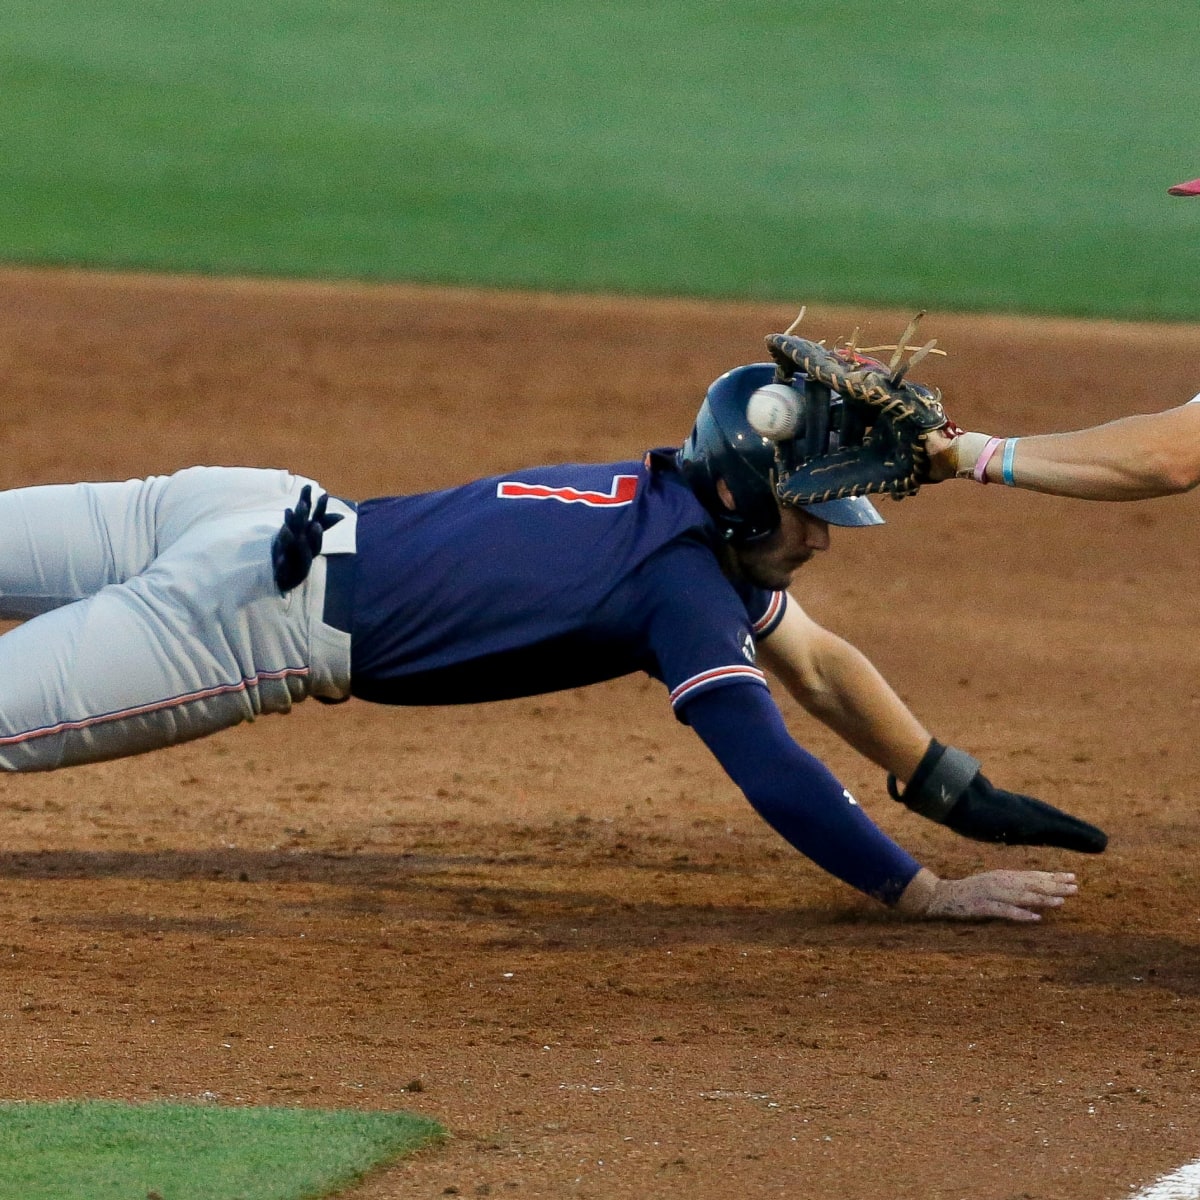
772 562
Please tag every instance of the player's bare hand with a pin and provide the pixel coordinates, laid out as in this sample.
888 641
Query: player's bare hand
992 895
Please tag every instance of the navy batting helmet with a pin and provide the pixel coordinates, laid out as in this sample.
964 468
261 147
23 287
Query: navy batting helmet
722 445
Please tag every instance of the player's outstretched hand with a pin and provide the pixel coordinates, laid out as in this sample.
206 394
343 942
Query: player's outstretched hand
299 539
992 895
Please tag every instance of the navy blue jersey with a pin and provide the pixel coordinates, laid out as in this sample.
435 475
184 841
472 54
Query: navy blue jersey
549 578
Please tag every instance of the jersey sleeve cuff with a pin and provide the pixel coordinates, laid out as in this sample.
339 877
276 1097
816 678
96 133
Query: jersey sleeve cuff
717 677
769 621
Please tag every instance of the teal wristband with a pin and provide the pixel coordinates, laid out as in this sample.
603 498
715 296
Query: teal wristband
1006 461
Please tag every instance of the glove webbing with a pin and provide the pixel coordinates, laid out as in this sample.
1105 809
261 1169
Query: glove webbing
940 779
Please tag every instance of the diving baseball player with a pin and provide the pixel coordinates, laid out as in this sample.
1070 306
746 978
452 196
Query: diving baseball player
161 610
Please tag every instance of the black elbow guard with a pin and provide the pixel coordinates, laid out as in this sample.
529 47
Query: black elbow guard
948 787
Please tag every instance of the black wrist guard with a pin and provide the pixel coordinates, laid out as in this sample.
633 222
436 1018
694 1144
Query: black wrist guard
941 777
949 788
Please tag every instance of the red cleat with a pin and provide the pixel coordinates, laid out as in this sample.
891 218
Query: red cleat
1191 188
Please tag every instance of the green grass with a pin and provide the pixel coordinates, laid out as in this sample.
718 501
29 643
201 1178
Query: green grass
999 155
102 1150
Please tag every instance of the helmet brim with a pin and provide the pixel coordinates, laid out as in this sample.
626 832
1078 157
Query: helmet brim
853 510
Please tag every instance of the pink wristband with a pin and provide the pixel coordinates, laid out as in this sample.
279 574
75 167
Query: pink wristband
985 456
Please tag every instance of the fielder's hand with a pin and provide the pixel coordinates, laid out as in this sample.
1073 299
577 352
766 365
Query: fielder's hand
993 895
946 453
956 455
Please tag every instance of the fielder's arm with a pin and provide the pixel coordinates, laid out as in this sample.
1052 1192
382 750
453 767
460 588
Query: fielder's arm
1135 458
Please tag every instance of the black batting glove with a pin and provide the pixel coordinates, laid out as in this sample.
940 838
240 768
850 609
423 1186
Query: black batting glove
948 787
299 539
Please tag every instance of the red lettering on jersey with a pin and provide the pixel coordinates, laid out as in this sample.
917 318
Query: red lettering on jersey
623 491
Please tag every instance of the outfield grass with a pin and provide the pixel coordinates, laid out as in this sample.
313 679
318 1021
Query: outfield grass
103 1150
959 155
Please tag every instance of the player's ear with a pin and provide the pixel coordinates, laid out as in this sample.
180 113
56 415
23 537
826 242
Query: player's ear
725 495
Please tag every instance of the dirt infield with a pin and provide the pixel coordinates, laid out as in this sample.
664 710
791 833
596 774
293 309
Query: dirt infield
553 924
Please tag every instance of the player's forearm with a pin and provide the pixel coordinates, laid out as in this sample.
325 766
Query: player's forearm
846 693
1135 458
796 794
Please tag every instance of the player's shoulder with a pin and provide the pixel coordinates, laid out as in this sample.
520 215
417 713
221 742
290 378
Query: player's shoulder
690 573
685 571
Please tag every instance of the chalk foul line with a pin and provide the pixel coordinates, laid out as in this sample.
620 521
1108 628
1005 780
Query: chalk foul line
1183 1184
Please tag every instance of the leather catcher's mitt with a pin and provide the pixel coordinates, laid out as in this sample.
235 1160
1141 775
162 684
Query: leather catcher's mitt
881 423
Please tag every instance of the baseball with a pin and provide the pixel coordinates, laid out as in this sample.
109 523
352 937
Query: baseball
774 410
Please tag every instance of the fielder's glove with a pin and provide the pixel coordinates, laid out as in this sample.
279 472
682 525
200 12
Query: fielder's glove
299 539
949 788
874 440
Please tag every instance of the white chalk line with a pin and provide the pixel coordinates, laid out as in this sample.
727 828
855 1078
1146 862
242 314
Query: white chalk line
1183 1184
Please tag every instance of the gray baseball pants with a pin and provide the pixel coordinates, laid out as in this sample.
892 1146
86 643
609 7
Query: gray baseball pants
150 615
